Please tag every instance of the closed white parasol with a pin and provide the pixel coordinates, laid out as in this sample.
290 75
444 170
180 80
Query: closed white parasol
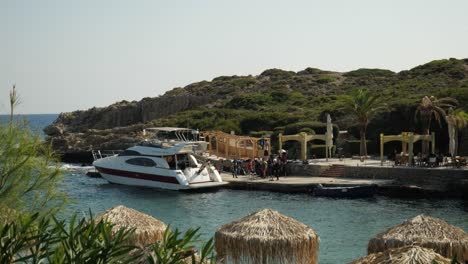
329 136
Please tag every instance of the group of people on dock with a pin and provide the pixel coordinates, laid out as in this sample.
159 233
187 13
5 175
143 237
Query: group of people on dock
273 166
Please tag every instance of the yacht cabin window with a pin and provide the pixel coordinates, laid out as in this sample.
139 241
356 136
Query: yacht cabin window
183 161
171 161
142 162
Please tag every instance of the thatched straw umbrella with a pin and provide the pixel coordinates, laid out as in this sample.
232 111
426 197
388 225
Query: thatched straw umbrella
425 231
403 255
266 236
148 230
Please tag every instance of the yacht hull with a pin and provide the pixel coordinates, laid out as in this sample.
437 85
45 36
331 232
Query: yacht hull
141 179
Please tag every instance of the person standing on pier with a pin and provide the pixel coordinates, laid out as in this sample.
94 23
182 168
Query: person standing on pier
235 168
283 160
264 164
250 167
276 168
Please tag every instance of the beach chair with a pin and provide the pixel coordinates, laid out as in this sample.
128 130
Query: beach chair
397 159
463 162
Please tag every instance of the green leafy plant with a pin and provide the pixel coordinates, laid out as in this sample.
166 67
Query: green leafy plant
29 172
88 241
36 239
28 239
177 248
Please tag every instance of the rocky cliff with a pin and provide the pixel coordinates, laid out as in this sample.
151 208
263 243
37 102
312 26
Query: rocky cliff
124 113
117 126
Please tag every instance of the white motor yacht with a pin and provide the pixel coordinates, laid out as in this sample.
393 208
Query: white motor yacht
169 164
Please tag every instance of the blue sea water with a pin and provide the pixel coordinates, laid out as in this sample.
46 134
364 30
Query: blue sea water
344 226
36 122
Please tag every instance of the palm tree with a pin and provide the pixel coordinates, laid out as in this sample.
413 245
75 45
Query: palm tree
458 119
431 106
363 105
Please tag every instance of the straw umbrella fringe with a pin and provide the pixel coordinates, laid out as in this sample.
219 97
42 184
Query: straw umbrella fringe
403 255
148 229
425 231
266 236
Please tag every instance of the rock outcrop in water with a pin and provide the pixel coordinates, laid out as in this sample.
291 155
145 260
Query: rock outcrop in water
115 127
273 101
96 139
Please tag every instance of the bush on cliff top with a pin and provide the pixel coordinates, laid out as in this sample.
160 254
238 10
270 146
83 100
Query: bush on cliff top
363 72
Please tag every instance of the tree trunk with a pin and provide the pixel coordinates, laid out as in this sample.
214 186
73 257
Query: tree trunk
425 143
363 144
456 142
426 123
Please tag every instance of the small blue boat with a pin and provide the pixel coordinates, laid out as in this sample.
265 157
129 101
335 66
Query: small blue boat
356 191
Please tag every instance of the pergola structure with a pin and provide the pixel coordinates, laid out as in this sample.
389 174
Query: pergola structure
303 138
234 146
407 141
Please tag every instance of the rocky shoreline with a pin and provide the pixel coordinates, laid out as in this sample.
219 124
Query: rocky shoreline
115 127
79 143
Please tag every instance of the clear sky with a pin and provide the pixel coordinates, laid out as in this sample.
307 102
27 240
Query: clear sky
67 55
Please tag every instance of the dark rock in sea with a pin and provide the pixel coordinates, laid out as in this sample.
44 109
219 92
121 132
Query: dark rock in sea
54 130
93 139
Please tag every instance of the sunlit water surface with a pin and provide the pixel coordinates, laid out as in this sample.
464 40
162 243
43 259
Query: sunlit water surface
344 226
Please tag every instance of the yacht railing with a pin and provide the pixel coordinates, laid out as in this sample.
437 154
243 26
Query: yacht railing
181 134
100 154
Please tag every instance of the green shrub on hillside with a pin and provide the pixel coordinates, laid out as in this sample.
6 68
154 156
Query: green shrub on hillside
279 96
249 101
310 71
363 72
307 130
461 94
452 67
315 126
227 126
277 74
258 121
260 134
326 79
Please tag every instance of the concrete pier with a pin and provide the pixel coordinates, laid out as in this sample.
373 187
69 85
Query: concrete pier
395 181
303 184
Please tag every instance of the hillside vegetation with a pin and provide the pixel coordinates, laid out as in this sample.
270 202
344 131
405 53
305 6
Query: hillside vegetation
277 99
